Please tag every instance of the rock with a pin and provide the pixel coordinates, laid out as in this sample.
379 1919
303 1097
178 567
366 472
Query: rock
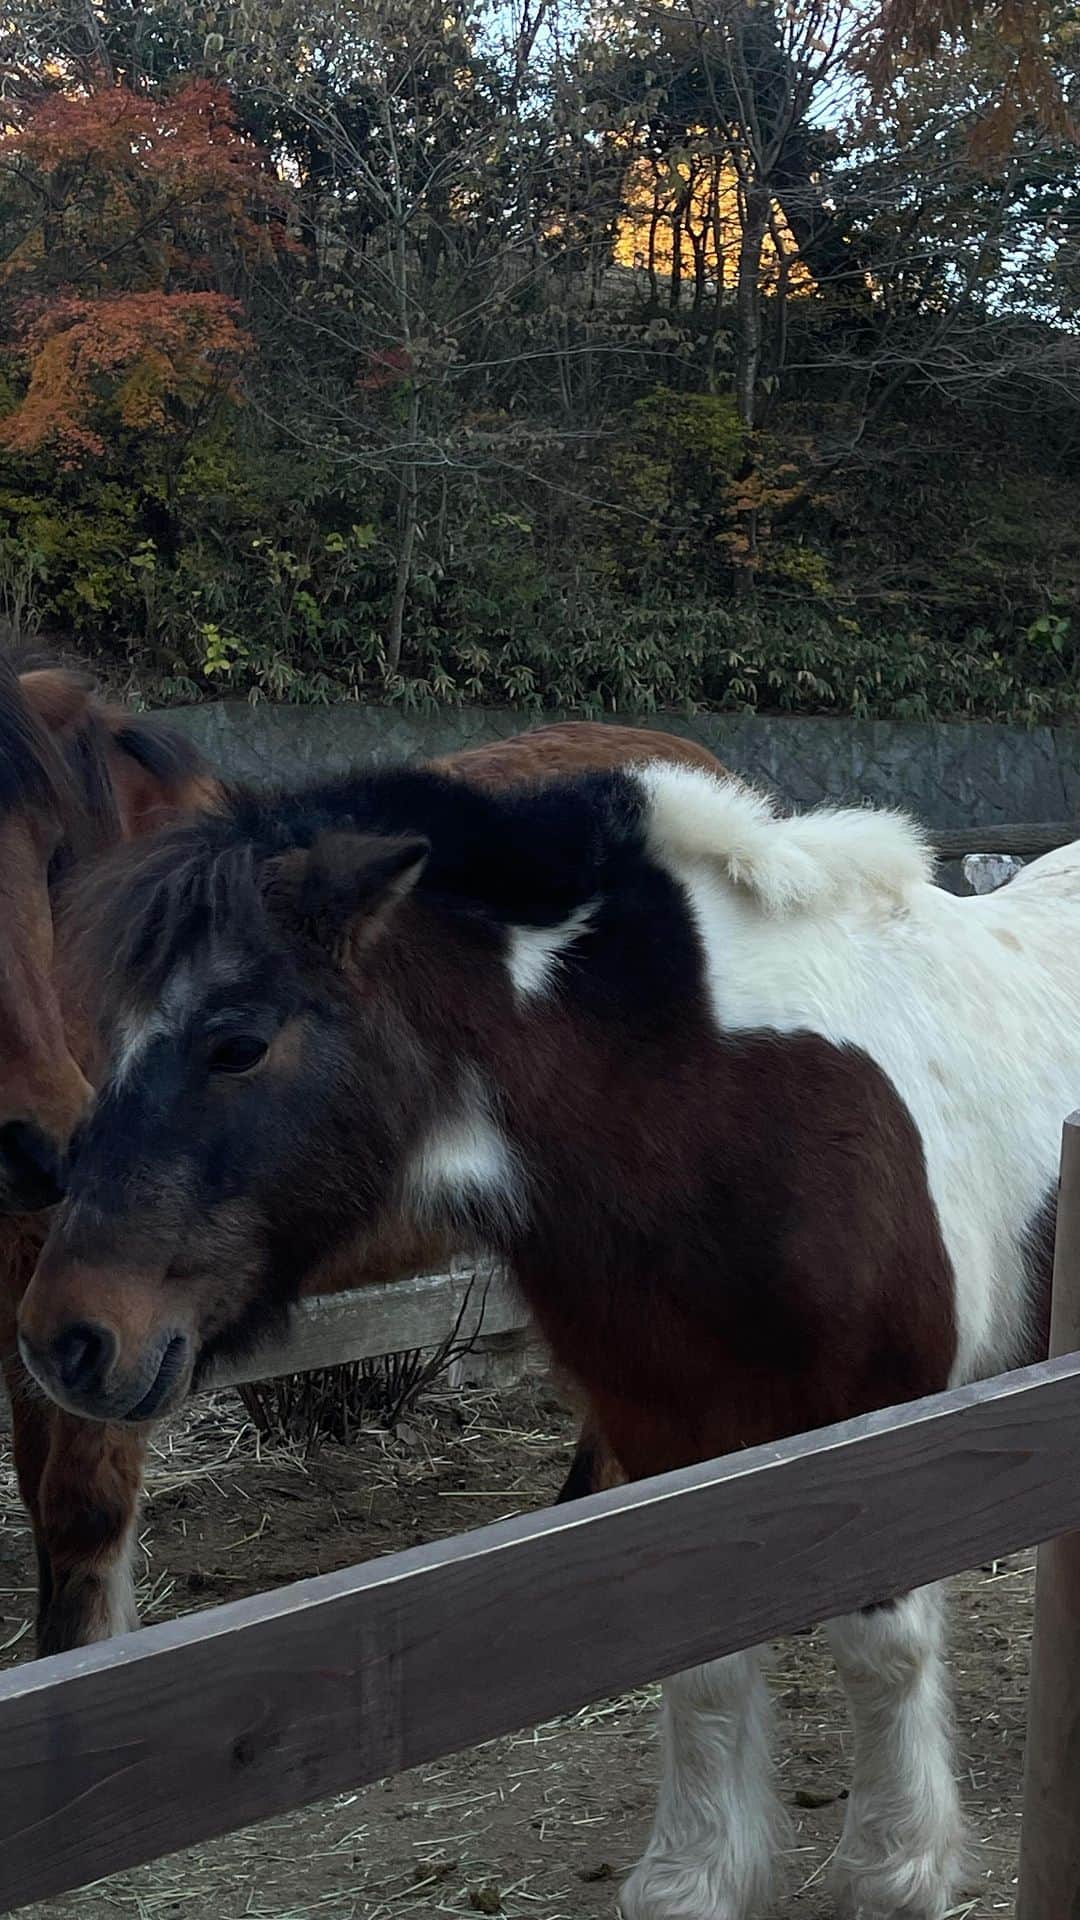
986 872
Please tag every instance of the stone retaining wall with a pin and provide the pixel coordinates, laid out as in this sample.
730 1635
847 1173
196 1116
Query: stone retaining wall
949 775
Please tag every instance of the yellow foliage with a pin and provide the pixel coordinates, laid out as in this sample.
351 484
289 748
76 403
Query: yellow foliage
691 198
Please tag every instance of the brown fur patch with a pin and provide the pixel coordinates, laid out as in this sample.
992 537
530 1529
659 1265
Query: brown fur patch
568 747
740 1244
39 1080
543 753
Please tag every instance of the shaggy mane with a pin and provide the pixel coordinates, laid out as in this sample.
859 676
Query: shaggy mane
32 769
527 858
64 764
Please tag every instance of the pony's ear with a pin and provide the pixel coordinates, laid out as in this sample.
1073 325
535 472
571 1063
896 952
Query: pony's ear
58 696
342 890
156 773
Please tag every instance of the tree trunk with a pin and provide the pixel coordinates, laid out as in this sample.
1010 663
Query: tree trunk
748 302
748 345
675 283
408 501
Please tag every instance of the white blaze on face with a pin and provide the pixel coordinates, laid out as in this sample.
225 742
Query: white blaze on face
136 1032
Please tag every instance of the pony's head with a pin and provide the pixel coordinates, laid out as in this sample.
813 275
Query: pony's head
299 995
74 778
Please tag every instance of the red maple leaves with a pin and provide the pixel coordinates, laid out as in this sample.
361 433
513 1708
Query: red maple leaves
150 205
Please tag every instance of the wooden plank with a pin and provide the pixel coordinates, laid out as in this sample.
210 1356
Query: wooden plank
950 843
1049 1885
392 1317
114 1754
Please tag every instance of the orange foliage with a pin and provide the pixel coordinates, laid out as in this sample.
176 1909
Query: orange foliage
149 350
1020 32
146 201
121 156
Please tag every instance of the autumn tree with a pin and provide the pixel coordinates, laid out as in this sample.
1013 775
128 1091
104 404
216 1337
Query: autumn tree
141 218
422 150
1018 38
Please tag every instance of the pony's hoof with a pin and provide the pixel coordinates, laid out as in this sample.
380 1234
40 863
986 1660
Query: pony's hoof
685 1887
909 1887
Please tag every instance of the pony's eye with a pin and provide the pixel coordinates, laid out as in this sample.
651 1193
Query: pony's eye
237 1053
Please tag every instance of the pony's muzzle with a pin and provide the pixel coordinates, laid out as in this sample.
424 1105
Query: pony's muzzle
80 1370
31 1168
98 1344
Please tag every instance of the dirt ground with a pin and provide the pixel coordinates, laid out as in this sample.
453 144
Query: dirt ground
543 1824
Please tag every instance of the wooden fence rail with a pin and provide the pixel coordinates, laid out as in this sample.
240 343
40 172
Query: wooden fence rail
392 1316
951 843
115 1754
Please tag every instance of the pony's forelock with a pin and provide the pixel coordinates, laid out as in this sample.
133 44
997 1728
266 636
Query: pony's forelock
131 917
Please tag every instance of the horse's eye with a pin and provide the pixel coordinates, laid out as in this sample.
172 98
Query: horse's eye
237 1053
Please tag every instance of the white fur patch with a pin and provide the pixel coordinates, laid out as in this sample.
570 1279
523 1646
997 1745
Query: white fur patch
133 1038
902 1850
970 1007
137 1032
465 1164
535 954
789 863
110 1595
719 1822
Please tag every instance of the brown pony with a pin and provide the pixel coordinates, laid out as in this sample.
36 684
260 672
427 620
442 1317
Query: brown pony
76 777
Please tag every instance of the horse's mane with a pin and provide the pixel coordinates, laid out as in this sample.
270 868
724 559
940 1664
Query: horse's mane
528 857
55 745
32 770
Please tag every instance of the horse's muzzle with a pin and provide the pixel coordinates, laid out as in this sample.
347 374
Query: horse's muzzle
31 1169
80 1370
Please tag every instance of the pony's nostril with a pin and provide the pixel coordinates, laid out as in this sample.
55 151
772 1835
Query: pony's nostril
82 1356
29 1165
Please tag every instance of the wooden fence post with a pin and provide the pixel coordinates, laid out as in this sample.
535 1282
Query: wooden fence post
1049 1885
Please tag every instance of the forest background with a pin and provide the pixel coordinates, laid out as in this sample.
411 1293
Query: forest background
654 354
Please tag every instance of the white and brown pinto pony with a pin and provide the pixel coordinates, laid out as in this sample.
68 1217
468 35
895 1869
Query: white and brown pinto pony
77 776
766 1125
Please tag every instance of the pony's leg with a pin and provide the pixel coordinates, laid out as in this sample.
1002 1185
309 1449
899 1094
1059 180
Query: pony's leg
902 1849
88 1513
718 1824
30 1438
80 1483
593 1469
